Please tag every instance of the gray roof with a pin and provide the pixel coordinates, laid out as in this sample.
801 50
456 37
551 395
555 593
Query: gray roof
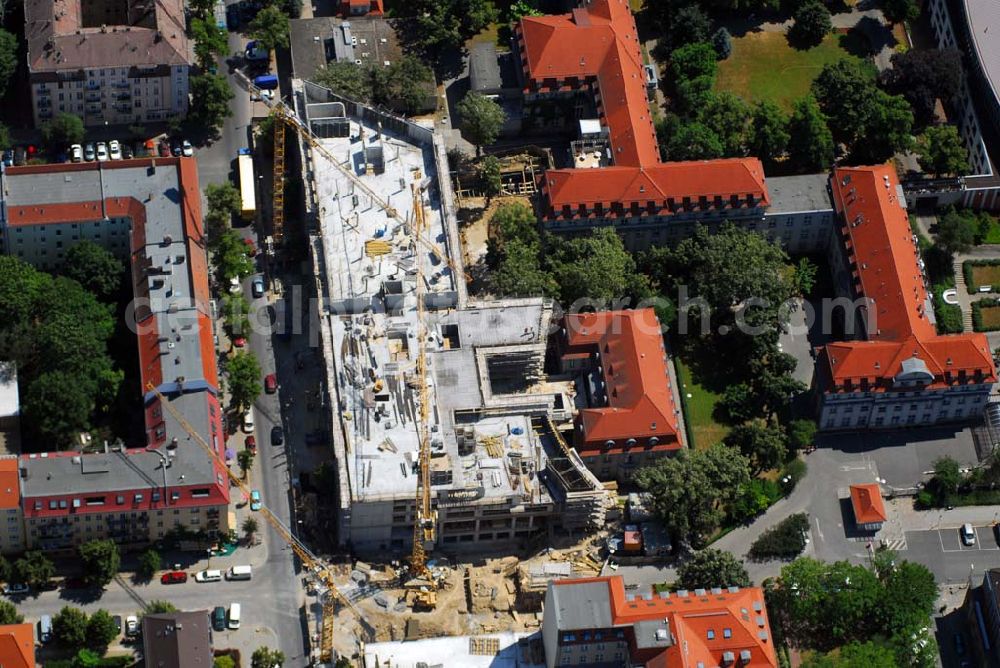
317 41
581 605
984 28
795 194
177 640
64 35
484 69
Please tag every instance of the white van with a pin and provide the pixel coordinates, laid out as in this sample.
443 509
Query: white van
208 576
45 628
234 616
239 573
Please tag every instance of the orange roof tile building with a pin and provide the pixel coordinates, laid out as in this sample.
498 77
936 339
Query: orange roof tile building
904 372
595 50
17 645
593 621
631 415
869 509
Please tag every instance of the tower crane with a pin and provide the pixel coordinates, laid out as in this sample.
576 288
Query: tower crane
310 561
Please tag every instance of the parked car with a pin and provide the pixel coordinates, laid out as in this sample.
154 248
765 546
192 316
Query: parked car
164 148
173 577
175 148
248 424
968 534
127 153
277 438
115 149
257 287
234 285
255 500
20 156
270 383
117 619
239 342
208 576
186 149
219 618
131 625
45 628
255 52
16 588
251 247
251 444
76 153
102 152
8 157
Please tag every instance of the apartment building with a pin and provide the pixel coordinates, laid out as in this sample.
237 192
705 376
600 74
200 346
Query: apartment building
629 416
618 178
903 373
12 536
595 622
108 62
17 645
147 211
177 640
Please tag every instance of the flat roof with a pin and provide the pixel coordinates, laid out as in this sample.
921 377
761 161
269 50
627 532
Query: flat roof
512 652
318 41
796 194
984 26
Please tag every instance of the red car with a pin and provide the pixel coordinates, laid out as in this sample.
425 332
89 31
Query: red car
164 148
270 383
251 248
251 444
173 577
239 342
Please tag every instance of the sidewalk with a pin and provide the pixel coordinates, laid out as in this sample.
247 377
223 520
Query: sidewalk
926 520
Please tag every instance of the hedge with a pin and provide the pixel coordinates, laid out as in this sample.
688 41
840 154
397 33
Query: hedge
977 315
948 316
967 271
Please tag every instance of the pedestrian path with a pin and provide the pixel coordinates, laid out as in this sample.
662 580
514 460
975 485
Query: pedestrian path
964 302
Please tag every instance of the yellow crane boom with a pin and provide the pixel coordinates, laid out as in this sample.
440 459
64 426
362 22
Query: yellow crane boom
309 560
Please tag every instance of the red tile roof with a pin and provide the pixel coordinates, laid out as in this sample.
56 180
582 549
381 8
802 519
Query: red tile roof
10 489
634 365
598 46
884 258
690 619
17 645
867 503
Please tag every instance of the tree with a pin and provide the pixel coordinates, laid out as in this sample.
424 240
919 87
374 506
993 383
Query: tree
690 24
224 661
812 24
908 600
482 119
946 479
100 560
956 231
923 76
57 406
209 41
723 43
690 140
244 380
34 569
784 540
201 8
596 266
8 60
159 607
265 657
942 151
765 446
101 630
690 490
95 268
345 78
250 528
9 613
232 258
489 175
519 272
801 433
85 658
245 459
900 11
4 135
845 91
223 202
728 116
210 100
810 142
712 568
235 314
69 628
693 68
149 563
410 85
518 10
768 134
887 132
63 129
270 28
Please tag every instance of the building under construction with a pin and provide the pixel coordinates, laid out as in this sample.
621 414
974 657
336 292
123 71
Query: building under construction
388 267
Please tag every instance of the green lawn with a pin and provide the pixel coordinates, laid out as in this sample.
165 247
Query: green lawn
763 66
698 408
992 235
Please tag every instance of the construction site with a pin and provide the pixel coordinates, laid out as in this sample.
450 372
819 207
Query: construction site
443 422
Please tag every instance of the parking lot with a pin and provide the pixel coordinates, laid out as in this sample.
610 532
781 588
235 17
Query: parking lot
949 540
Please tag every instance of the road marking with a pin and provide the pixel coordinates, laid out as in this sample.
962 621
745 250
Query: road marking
818 530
